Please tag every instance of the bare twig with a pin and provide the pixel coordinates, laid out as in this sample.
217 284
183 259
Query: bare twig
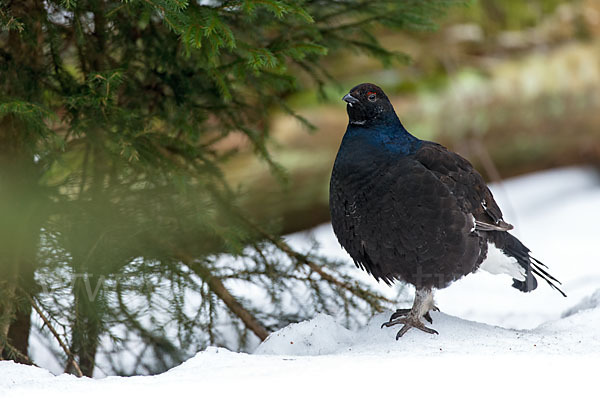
486 160
70 357
492 171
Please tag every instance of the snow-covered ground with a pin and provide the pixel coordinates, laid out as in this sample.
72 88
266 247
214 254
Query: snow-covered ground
494 341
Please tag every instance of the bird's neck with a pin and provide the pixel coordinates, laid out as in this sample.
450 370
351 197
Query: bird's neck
389 137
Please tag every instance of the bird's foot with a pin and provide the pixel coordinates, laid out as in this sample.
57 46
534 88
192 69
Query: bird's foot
410 318
409 322
404 312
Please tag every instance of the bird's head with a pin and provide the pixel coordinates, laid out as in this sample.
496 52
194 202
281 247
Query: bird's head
368 105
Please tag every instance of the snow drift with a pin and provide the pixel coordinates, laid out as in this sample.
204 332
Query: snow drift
320 358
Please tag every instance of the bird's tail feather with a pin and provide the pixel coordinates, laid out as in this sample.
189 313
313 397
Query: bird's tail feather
511 246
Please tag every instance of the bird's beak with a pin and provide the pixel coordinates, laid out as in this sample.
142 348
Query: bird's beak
348 98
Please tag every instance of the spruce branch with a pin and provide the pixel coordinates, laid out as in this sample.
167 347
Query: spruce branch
357 291
70 357
14 352
218 288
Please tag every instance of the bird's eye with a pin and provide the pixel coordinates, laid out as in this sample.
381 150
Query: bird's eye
371 96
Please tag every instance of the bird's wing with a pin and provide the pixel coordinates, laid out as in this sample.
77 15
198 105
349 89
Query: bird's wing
467 185
474 197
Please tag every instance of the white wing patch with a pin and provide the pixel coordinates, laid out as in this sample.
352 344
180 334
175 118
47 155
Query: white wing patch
497 262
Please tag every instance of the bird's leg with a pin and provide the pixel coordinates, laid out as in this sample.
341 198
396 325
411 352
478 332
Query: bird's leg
412 317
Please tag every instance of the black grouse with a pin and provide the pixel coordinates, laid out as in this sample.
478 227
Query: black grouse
411 210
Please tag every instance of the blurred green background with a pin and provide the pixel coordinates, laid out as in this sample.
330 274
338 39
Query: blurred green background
513 86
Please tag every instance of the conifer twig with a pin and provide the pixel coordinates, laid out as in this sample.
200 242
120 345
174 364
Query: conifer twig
55 334
315 267
216 285
12 350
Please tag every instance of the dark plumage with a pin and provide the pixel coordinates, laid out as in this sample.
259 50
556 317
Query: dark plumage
411 210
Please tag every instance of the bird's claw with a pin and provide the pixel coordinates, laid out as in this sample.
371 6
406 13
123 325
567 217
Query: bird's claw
421 327
399 313
404 312
410 322
427 317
